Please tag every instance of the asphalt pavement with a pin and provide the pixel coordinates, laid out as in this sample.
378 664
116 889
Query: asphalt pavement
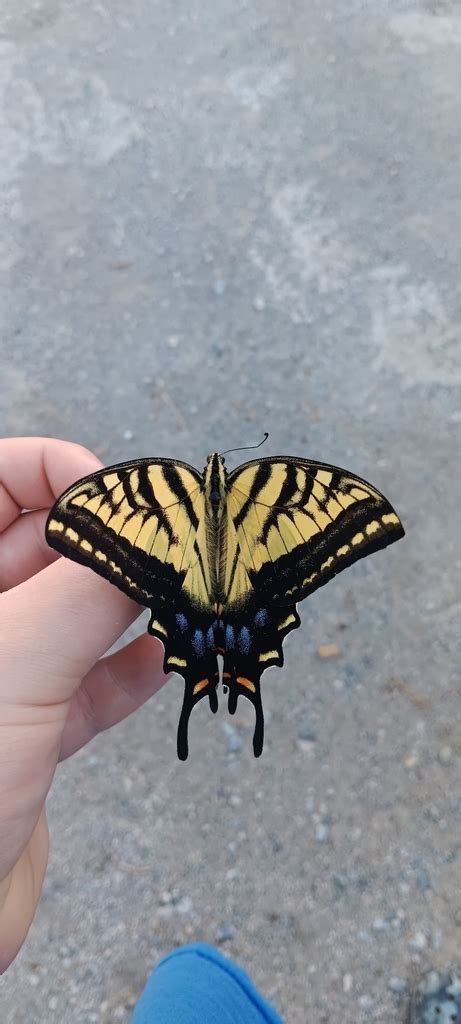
219 219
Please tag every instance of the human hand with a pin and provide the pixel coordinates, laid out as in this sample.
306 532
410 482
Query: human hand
56 620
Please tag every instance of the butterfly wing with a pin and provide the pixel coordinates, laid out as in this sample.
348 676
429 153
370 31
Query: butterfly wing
142 526
292 525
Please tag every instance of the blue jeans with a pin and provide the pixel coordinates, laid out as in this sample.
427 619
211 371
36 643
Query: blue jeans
197 985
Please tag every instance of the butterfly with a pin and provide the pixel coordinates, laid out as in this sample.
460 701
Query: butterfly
221 559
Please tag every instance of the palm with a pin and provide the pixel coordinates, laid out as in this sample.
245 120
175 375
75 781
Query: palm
57 690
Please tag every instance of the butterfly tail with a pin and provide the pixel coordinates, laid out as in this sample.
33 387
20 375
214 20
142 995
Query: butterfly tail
188 654
194 690
254 644
245 680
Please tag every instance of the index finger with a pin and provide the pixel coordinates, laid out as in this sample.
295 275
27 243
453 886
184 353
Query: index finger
35 470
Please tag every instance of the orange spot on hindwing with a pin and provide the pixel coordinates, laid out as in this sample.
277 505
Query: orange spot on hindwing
201 685
246 683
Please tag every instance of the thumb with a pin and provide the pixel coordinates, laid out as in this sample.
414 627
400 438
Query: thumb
55 626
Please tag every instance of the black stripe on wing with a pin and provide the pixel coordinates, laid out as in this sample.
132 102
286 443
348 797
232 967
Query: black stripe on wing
261 478
295 575
283 499
142 577
177 487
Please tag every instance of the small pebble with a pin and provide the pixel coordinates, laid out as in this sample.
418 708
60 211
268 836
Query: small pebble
418 941
128 435
366 1002
306 746
347 982
234 741
328 651
308 735
224 934
398 985
165 912
322 833
259 304
380 925
445 754
185 905
423 880
341 880
430 983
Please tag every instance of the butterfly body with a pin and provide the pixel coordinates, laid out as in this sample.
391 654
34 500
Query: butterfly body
215 492
221 559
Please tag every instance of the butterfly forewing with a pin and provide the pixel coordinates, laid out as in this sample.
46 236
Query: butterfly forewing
294 524
138 524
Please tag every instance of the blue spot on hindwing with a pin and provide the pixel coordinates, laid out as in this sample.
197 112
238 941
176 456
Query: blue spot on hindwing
182 622
261 617
210 637
244 640
230 638
198 643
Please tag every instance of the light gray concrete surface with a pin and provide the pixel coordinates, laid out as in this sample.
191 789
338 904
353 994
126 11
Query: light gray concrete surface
221 218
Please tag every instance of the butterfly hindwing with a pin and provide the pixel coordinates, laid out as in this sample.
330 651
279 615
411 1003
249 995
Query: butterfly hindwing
253 642
190 649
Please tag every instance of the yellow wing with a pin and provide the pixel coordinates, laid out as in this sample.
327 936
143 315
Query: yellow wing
141 525
292 525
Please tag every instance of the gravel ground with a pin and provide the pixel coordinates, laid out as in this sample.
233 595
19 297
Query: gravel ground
219 219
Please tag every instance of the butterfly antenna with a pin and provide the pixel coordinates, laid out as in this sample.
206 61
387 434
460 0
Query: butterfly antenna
247 447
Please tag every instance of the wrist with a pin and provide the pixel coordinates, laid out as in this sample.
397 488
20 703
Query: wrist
20 892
